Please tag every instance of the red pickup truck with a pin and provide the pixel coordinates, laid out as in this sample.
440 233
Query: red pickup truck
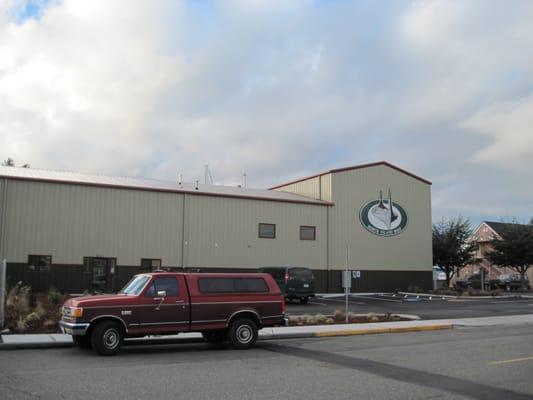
223 307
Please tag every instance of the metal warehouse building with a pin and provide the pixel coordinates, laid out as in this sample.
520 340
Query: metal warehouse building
78 231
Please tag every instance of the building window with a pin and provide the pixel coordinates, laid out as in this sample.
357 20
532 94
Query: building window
307 232
267 231
39 263
150 264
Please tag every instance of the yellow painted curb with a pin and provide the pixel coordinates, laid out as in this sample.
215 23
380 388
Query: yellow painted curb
350 332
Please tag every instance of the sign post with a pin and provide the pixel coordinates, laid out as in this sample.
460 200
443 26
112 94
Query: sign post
347 282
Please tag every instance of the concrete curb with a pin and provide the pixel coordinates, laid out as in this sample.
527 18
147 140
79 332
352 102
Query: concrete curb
265 336
352 332
46 341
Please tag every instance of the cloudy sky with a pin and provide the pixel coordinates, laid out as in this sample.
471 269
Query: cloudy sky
276 89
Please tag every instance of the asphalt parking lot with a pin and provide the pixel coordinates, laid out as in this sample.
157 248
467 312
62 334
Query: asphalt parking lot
437 308
488 363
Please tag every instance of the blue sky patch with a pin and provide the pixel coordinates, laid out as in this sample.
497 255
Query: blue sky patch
30 9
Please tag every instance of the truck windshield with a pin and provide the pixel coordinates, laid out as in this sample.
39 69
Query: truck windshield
136 285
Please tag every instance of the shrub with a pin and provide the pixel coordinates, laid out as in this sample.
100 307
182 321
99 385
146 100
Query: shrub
320 318
330 321
54 296
49 324
20 325
373 317
339 316
32 320
414 289
17 306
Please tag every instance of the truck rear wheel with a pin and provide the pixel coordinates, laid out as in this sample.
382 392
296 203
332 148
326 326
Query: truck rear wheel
214 337
107 338
82 341
242 333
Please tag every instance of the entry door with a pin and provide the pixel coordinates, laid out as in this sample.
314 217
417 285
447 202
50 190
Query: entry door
169 313
103 270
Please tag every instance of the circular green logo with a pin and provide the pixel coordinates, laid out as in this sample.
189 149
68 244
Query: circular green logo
383 217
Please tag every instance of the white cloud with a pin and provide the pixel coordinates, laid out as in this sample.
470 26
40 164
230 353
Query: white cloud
274 89
508 129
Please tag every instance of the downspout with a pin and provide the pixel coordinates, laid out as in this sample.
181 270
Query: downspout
327 249
183 231
3 219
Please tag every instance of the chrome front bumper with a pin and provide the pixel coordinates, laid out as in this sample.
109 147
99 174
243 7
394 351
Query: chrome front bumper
73 328
285 321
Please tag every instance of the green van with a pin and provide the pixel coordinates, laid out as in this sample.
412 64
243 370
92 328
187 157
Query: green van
294 282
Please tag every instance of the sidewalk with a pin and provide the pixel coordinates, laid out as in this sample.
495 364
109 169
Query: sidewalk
34 341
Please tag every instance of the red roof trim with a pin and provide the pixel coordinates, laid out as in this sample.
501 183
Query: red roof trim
374 164
183 191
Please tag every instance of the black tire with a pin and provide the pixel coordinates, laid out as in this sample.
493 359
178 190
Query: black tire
107 338
304 300
82 341
242 333
215 337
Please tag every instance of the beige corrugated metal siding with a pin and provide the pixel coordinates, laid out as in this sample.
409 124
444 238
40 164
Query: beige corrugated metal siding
3 211
224 232
71 221
309 188
318 187
410 250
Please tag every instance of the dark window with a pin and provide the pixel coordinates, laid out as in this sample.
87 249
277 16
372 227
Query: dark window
267 231
150 264
307 232
232 285
38 263
301 273
168 284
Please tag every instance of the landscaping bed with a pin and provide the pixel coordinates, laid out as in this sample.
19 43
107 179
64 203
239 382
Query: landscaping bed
339 317
27 312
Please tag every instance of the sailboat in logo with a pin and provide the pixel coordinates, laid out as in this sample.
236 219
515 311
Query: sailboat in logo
384 213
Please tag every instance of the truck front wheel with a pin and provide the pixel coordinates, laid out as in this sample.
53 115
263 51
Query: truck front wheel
107 338
242 333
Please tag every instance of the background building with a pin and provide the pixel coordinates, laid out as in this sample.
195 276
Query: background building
484 234
77 231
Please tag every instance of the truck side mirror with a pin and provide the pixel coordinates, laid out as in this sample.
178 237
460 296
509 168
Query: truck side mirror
161 293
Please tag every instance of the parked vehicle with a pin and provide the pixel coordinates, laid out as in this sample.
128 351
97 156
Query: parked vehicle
294 282
510 282
472 281
223 307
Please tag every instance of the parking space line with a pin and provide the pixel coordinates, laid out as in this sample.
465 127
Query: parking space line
513 360
378 298
351 301
510 301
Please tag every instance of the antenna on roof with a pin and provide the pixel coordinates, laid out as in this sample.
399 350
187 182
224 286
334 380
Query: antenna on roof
208 178
244 176
180 180
196 185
